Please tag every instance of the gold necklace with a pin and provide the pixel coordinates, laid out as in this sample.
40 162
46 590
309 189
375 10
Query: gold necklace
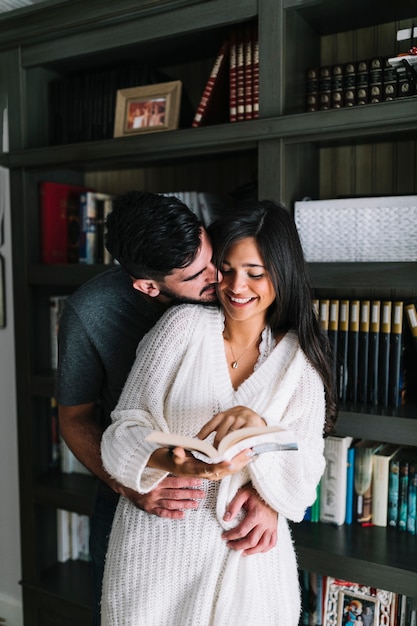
235 362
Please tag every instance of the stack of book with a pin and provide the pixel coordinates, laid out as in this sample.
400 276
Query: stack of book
368 483
373 343
72 224
232 89
355 83
73 531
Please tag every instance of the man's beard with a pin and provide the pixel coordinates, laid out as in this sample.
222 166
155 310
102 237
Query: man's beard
183 300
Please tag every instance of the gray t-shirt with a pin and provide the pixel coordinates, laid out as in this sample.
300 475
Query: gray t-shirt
99 330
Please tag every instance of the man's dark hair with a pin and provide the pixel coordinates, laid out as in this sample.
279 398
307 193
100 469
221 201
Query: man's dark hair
150 234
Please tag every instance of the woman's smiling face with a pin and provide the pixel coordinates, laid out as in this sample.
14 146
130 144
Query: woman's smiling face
246 289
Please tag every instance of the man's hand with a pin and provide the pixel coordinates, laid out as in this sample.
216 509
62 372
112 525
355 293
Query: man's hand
171 498
257 532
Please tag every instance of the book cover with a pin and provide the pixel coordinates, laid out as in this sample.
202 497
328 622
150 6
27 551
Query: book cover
382 460
394 490
343 349
403 492
240 75
363 350
213 106
411 316
374 328
350 486
334 480
333 333
255 71
63 535
54 199
353 350
233 76
248 51
396 354
56 307
384 352
263 439
364 453
412 497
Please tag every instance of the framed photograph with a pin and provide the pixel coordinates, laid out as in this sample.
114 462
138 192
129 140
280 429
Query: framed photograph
353 604
356 609
147 109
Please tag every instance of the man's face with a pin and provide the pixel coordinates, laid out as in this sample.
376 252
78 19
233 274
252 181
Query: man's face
196 282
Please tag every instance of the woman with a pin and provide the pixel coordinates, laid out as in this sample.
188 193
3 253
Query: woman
258 358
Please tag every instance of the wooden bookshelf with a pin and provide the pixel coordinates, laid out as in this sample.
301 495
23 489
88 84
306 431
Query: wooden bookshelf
367 150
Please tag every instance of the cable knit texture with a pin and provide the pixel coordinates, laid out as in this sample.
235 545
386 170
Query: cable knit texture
162 572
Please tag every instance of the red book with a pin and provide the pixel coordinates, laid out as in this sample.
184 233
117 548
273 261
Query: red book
213 106
247 40
255 71
54 201
240 74
233 76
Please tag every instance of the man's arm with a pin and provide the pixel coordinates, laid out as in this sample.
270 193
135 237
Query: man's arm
82 434
257 532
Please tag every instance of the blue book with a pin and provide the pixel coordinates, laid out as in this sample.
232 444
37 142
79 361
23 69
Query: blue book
393 490
412 498
350 477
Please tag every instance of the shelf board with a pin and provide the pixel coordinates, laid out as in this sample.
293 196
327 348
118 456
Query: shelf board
71 275
74 492
328 16
372 122
393 427
379 557
70 582
365 277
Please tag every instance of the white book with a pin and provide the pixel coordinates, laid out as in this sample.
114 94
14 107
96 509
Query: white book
56 306
75 549
334 479
63 536
380 480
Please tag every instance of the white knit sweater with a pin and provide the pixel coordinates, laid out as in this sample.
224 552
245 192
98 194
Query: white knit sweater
162 572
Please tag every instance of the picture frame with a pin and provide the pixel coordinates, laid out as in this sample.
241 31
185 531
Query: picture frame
373 607
147 109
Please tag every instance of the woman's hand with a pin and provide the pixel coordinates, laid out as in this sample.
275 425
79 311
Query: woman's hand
227 421
182 463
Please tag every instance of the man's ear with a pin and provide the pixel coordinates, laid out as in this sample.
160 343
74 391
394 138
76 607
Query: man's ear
147 286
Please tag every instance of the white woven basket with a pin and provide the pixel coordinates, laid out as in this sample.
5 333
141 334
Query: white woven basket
358 229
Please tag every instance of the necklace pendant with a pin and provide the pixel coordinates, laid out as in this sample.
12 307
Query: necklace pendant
235 365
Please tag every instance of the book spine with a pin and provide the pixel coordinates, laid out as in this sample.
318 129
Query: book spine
349 85
376 68
53 206
362 82
233 76
325 88
312 89
343 341
248 50
333 333
374 328
208 89
350 476
411 315
380 482
255 71
384 350
363 356
353 350
396 349
240 75
337 86
63 536
390 82
393 492
324 314
56 307
333 483
403 495
73 227
412 498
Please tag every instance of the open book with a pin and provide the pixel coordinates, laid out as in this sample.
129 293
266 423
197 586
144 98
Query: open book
259 439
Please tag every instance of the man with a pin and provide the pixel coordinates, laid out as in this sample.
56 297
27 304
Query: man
165 253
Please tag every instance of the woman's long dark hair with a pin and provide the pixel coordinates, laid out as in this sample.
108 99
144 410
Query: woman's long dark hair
273 228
